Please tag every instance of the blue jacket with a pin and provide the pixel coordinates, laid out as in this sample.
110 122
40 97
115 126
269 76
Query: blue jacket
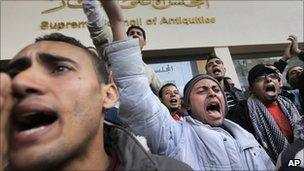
199 145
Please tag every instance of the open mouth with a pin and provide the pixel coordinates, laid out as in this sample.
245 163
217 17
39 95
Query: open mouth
215 71
134 37
270 88
173 101
213 106
32 120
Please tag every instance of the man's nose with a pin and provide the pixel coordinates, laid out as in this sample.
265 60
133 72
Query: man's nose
211 93
299 71
28 81
172 95
268 79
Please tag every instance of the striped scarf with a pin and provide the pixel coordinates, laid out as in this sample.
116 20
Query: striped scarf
267 130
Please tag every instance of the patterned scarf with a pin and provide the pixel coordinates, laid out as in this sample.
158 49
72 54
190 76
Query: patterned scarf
267 130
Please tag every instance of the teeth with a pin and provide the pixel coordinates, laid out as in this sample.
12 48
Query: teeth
28 114
216 71
30 131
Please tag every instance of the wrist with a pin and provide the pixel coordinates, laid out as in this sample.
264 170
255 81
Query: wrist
298 51
301 55
284 58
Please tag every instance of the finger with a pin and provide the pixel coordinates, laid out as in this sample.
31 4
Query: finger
289 46
5 98
6 103
291 35
291 38
5 88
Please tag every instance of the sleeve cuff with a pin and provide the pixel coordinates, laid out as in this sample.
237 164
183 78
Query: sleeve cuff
301 55
125 58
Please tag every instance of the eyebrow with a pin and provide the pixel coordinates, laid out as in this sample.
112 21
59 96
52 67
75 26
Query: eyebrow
51 58
24 62
212 62
200 87
207 87
171 90
215 86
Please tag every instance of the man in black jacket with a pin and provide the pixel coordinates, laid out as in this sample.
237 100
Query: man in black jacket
216 68
293 72
294 76
266 114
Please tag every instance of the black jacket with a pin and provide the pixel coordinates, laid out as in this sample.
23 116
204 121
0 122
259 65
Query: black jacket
280 65
237 94
301 77
132 155
240 115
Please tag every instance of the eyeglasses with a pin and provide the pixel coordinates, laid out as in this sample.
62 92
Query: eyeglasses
263 77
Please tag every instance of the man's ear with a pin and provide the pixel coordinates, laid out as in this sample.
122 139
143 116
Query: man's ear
145 42
111 96
250 88
188 108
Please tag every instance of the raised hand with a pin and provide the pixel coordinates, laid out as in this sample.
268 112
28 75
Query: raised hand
287 55
294 51
92 9
6 103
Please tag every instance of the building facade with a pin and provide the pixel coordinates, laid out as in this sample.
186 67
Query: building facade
180 33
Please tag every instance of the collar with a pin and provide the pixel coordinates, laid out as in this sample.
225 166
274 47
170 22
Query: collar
243 137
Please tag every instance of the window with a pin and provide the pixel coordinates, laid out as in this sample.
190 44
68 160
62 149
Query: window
178 73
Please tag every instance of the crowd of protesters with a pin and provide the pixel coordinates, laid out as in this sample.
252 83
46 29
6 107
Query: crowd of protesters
65 106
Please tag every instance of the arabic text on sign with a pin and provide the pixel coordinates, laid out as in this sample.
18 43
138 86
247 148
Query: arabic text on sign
129 4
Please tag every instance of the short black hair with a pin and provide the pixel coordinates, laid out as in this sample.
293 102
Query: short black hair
227 78
137 27
209 57
160 92
98 63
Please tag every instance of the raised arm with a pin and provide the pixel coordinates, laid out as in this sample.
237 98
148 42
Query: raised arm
140 109
99 32
291 51
295 50
116 19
